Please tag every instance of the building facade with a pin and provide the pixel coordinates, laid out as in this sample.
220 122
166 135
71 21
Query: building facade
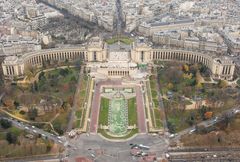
116 64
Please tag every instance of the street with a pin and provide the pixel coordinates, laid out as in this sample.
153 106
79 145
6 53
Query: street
34 130
113 151
207 123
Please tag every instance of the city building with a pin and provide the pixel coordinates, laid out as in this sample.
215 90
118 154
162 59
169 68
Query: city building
106 61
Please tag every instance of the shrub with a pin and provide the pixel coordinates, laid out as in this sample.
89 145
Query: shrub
5 123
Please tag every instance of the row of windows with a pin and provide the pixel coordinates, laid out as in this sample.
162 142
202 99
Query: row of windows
226 70
56 56
118 73
10 70
180 56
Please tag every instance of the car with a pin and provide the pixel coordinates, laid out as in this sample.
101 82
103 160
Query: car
236 111
172 136
214 156
33 126
60 141
192 130
144 154
143 147
134 146
167 155
215 119
34 131
26 128
154 134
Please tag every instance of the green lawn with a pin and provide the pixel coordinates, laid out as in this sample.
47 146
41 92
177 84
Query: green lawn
78 123
78 114
132 111
152 117
153 86
154 93
103 116
155 101
153 83
158 118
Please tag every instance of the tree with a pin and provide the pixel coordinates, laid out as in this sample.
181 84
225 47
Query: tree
208 115
8 102
16 104
32 88
170 86
171 127
202 112
201 129
73 79
5 123
30 72
226 120
11 138
64 72
35 86
57 126
222 84
198 77
193 69
185 68
203 68
191 119
32 113
175 76
66 61
41 76
70 100
65 105
199 85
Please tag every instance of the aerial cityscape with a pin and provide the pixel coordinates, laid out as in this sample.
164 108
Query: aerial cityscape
120 80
